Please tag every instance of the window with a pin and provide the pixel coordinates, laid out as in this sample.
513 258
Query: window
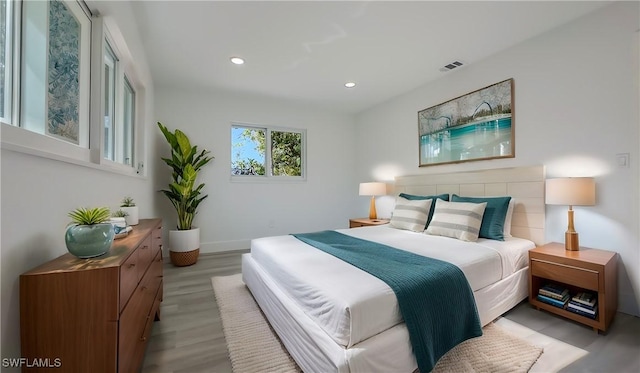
264 152
5 60
47 51
129 113
119 109
55 64
109 102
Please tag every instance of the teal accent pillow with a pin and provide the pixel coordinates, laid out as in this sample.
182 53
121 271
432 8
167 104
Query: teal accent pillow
494 214
411 197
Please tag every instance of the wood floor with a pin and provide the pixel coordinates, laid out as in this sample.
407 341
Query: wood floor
189 337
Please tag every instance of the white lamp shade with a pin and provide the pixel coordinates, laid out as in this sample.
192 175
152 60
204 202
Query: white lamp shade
373 189
571 191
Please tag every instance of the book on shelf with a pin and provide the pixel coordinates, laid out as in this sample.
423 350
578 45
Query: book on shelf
554 290
582 307
552 294
582 313
588 299
552 301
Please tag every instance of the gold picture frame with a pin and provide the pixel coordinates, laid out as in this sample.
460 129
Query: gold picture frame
476 126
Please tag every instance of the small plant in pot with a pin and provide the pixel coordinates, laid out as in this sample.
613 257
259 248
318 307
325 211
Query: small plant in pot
90 234
185 163
129 206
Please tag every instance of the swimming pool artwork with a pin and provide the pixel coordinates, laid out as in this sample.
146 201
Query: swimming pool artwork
476 126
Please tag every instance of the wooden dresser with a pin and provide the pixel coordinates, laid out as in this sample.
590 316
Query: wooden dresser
94 315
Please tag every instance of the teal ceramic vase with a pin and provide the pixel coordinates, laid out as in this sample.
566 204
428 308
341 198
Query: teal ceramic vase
88 241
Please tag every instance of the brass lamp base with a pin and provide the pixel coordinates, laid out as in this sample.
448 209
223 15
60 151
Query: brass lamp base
571 236
372 209
571 241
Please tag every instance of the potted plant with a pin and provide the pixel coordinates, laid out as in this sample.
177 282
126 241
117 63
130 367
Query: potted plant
129 206
90 234
185 163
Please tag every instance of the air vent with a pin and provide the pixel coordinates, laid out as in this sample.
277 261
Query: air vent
451 66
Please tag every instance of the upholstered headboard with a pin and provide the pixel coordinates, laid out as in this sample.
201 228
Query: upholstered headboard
524 184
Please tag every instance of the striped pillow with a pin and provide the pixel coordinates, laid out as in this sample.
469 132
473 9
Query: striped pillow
459 220
410 215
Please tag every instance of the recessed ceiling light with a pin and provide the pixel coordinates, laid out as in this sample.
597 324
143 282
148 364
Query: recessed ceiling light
349 84
237 60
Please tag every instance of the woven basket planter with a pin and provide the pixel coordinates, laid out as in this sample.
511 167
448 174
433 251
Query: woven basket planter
183 259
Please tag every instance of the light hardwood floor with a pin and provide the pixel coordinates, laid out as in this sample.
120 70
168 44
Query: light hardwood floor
189 338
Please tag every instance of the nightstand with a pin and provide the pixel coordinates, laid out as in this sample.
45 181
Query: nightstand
365 222
584 270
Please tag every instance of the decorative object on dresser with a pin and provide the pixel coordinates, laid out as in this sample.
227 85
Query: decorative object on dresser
94 315
373 189
129 207
90 234
185 163
579 285
365 222
119 222
571 191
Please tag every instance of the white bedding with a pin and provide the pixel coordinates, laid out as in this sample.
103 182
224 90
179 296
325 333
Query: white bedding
350 305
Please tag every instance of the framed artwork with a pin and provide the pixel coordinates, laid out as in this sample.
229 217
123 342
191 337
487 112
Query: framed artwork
473 127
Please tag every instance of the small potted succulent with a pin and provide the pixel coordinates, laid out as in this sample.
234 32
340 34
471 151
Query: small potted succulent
90 233
129 206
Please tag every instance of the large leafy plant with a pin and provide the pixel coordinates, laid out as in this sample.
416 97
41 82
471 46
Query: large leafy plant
185 163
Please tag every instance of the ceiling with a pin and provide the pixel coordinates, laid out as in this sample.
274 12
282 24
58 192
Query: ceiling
306 50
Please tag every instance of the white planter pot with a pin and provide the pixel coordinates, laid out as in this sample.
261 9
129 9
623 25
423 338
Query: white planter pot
184 247
132 218
183 241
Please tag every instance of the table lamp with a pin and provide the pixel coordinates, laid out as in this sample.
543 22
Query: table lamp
571 191
373 189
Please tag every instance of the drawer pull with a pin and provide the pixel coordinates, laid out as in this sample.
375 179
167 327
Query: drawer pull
144 288
564 265
132 265
143 339
145 247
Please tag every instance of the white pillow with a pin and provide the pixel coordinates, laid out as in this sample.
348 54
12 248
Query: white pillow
459 220
507 219
410 214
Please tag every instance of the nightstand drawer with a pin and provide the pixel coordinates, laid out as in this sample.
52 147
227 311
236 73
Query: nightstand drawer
585 278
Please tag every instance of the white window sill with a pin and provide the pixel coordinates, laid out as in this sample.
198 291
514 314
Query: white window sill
27 142
267 180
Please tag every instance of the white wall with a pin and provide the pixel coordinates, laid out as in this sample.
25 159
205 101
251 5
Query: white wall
576 107
235 212
37 193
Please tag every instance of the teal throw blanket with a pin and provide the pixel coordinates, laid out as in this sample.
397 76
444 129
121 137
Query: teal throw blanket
434 296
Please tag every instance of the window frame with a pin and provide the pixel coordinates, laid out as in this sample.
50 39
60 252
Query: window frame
7 115
17 138
268 177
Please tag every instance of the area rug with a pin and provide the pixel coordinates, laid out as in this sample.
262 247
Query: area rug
254 347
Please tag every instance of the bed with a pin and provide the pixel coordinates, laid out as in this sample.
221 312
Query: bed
333 317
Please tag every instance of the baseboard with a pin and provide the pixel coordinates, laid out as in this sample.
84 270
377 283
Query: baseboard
222 246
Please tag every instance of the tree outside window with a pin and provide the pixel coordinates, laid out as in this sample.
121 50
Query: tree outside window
284 157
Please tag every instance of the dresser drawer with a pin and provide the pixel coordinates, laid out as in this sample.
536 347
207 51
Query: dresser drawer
585 278
156 241
144 256
128 278
131 330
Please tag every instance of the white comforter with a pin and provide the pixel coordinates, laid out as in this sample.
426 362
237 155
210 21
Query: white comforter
349 304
